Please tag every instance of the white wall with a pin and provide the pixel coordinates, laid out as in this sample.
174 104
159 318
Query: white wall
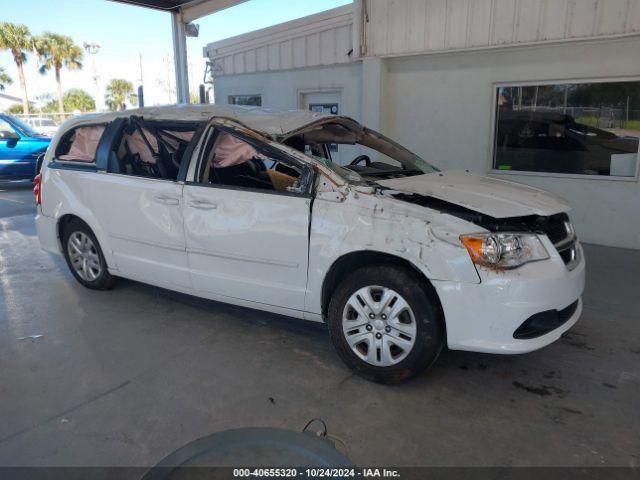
398 27
441 106
284 89
322 39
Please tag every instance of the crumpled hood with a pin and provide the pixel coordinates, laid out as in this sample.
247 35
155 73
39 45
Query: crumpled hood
489 196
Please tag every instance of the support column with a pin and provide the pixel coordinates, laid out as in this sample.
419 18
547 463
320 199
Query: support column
180 57
373 78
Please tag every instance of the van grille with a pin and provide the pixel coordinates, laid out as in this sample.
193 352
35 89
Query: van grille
557 227
560 231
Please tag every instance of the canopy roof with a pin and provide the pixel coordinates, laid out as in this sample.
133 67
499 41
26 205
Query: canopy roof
190 9
157 4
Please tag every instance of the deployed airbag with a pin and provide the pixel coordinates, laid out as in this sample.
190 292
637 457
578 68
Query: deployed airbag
232 151
138 145
84 144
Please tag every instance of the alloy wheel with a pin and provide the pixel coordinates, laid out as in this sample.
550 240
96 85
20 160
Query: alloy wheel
84 257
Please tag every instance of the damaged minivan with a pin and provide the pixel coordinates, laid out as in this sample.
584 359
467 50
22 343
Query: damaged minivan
316 217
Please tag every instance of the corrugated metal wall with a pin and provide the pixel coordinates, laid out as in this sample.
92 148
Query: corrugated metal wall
322 39
398 27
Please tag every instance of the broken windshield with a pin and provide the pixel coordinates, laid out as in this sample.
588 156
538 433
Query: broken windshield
357 153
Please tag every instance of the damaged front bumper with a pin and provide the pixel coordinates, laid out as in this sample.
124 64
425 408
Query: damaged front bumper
490 316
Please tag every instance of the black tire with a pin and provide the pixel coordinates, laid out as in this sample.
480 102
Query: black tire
105 281
423 302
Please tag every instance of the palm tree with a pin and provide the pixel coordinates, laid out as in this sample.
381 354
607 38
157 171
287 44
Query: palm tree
118 92
17 39
5 79
57 52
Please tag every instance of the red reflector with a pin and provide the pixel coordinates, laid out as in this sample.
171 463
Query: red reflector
37 189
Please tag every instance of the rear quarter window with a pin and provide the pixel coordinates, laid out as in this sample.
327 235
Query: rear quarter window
80 144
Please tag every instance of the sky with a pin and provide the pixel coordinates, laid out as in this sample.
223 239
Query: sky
127 34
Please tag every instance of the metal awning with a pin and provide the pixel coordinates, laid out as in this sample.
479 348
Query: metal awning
182 12
191 9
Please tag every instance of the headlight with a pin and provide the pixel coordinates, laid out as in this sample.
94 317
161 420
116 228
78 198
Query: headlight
504 250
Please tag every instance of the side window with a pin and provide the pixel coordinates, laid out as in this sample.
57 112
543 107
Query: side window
248 100
7 132
80 144
153 149
231 161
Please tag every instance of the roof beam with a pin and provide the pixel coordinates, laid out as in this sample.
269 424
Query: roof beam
191 9
165 5
200 8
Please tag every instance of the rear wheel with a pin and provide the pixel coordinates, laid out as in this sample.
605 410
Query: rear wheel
385 324
85 258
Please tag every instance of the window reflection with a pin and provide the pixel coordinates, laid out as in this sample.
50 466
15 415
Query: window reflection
584 129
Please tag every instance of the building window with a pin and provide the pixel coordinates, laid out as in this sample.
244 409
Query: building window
574 129
250 100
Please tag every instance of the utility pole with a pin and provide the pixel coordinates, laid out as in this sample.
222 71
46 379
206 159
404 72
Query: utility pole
92 49
626 124
170 96
191 81
140 66
141 83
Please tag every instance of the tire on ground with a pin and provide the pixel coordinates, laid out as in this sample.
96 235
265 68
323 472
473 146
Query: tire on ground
104 281
427 313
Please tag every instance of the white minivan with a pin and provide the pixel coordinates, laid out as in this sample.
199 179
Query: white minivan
246 206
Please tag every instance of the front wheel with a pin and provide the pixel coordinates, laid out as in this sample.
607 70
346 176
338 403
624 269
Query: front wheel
85 258
385 323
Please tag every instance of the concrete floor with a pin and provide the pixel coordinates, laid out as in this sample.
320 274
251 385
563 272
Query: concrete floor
125 377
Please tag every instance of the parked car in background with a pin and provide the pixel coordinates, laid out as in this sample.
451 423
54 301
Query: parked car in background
44 125
555 142
20 148
247 206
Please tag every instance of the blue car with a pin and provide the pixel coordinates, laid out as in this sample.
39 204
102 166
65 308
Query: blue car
20 148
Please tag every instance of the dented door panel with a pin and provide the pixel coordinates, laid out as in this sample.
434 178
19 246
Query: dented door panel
248 245
143 220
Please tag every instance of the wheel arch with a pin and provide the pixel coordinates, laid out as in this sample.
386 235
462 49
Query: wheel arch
353 260
66 218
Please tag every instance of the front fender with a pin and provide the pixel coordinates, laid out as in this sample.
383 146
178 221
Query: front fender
372 223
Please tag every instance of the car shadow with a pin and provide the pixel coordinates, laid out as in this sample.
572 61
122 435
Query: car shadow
249 316
448 361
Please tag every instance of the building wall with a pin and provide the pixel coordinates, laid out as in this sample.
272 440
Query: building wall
284 89
322 39
441 106
428 75
399 27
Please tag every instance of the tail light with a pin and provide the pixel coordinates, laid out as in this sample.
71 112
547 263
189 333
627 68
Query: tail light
37 188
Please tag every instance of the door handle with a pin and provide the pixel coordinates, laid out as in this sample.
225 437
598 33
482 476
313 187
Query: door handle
172 201
203 205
